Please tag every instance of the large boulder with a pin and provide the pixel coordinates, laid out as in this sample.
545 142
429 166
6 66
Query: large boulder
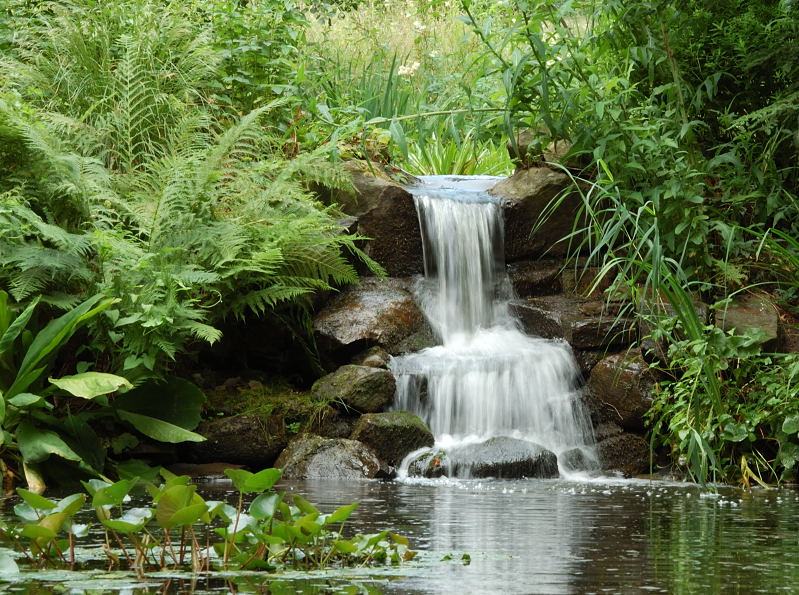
392 435
314 457
621 451
250 439
753 311
535 278
386 214
526 196
376 312
362 388
623 384
500 457
586 324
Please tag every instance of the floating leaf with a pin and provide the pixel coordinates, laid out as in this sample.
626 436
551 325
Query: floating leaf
247 482
132 521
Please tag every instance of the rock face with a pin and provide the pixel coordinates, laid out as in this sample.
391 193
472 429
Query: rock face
313 457
362 388
526 195
386 214
623 384
265 440
500 457
585 324
392 435
751 311
377 312
621 451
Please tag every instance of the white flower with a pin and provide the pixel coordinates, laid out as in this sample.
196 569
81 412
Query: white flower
419 26
408 70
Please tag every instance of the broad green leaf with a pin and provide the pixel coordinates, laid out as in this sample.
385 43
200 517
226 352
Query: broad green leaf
188 515
264 506
91 384
791 424
179 506
158 429
23 400
15 328
8 565
38 532
342 514
35 501
305 506
345 547
175 401
36 444
71 504
247 482
112 495
132 521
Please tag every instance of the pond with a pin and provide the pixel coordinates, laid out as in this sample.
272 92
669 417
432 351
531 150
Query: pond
525 536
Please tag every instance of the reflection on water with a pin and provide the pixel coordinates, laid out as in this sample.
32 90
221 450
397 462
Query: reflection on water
529 536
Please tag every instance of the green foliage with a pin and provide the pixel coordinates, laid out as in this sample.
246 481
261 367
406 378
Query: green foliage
34 430
181 530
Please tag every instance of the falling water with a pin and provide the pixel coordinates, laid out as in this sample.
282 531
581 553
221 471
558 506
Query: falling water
487 378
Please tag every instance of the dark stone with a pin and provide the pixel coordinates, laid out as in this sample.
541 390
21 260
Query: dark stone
587 359
374 357
313 457
624 452
364 389
753 311
392 435
580 281
532 279
376 312
500 457
386 214
248 439
585 324
624 383
526 195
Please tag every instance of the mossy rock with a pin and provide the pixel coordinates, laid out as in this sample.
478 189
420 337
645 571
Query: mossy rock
314 457
392 435
361 388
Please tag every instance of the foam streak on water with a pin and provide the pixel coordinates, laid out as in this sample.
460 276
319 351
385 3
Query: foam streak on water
486 378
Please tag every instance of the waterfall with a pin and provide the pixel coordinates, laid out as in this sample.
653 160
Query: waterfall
487 378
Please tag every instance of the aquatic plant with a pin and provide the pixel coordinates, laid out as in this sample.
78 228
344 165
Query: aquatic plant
179 530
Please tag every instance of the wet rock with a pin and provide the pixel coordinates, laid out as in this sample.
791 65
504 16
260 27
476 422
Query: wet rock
332 423
392 435
314 457
376 312
532 279
581 281
587 359
500 457
526 195
624 383
586 324
364 389
623 452
386 214
374 357
249 439
753 311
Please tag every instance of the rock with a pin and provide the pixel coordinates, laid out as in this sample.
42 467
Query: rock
624 452
578 281
753 311
526 195
374 357
364 389
586 324
392 435
373 313
500 457
535 147
624 383
588 358
386 214
251 440
313 457
533 279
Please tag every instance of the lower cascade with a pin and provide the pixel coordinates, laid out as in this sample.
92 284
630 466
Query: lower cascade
499 403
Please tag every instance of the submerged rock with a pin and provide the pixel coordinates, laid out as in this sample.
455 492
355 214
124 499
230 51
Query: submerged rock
500 457
376 312
362 388
313 457
392 435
